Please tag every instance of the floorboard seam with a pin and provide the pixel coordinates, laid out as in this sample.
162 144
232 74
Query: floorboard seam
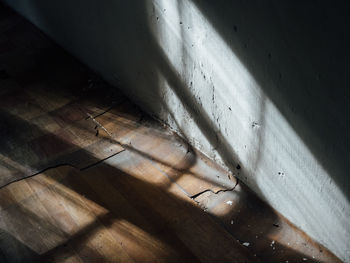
61 165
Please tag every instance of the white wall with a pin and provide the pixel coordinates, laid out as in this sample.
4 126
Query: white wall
260 84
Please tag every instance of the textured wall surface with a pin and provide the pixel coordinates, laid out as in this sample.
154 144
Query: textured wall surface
259 86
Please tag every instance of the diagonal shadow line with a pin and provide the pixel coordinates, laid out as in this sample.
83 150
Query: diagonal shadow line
202 119
312 133
108 219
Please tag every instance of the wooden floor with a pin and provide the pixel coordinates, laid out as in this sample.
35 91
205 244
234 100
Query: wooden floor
86 176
